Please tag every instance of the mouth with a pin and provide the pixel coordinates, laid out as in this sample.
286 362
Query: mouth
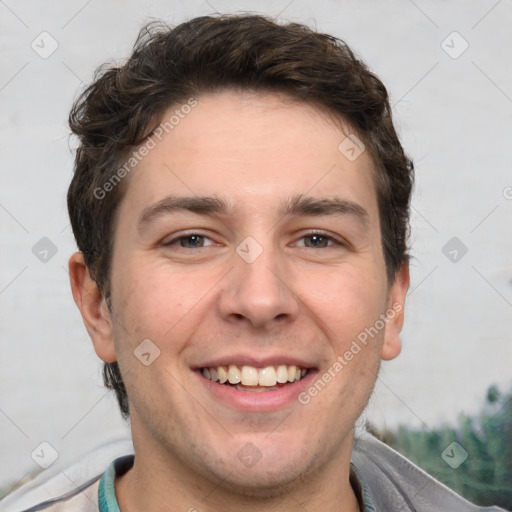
252 379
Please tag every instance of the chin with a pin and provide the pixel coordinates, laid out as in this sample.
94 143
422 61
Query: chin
277 469
263 482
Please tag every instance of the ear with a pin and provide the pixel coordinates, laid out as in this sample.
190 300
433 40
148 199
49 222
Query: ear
93 308
395 314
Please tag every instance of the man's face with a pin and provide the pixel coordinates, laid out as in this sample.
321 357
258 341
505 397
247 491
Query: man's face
280 266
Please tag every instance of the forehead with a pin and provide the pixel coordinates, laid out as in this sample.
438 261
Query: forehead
247 145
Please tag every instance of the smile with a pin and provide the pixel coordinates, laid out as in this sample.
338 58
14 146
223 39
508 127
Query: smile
250 378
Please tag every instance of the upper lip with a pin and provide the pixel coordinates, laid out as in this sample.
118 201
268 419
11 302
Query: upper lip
255 361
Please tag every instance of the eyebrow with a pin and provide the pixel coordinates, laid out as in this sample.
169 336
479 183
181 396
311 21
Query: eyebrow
211 205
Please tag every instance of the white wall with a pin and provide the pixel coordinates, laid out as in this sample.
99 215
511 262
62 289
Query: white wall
454 116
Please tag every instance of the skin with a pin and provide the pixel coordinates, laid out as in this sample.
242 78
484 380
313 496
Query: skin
257 151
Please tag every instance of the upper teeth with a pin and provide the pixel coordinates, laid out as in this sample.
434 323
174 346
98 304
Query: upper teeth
251 376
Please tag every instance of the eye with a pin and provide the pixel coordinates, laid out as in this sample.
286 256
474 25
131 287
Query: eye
317 240
192 241
313 240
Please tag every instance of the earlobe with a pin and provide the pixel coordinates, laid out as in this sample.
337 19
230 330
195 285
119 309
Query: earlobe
392 345
93 308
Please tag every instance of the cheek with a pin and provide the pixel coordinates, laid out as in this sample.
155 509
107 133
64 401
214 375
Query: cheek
165 307
346 300
153 299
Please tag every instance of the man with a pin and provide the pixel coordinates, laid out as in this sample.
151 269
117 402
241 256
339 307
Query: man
240 203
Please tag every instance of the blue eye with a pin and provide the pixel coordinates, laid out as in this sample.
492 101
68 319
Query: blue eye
318 241
193 241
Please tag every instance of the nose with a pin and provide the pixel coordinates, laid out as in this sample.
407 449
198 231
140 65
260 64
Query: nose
259 293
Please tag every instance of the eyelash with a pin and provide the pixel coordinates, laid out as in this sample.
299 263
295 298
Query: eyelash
331 241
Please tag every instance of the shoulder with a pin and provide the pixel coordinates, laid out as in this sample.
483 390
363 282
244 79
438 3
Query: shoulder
82 499
396 483
74 488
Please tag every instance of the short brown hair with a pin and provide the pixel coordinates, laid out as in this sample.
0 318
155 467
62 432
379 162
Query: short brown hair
124 105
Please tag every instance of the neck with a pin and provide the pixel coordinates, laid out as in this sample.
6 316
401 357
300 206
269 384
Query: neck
161 480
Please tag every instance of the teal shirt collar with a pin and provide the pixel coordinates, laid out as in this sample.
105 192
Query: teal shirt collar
107 500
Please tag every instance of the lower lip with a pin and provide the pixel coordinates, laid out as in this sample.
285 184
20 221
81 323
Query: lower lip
252 401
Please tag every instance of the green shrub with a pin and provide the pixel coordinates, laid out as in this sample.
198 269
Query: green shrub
485 477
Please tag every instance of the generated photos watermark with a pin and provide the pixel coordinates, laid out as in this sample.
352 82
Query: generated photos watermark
355 348
164 128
